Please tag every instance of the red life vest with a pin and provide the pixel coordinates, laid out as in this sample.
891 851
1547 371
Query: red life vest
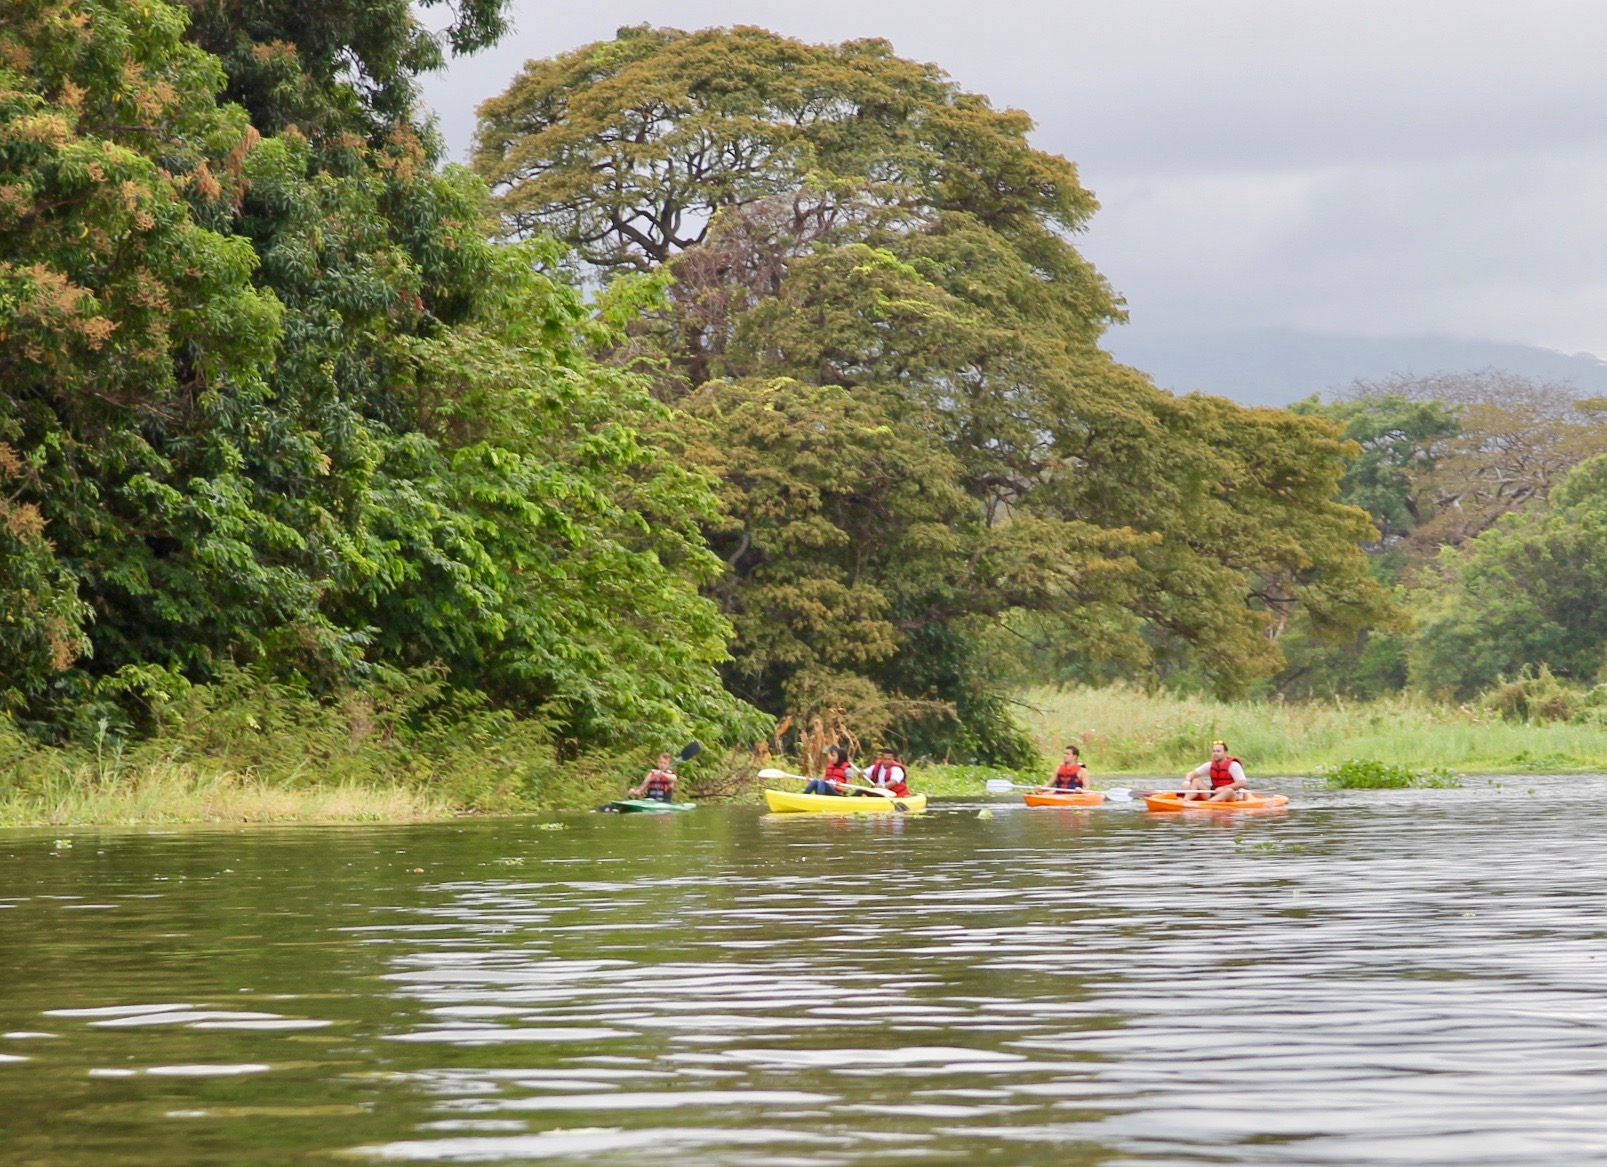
1069 777
881 774
660 785
1222 772
837 774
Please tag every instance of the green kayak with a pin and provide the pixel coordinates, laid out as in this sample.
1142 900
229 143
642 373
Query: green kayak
644 806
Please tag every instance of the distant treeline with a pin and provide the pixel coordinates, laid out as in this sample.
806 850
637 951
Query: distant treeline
745 379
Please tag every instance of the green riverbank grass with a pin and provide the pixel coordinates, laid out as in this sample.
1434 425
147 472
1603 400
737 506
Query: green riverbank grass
253 750
182 795
281 758
1127 732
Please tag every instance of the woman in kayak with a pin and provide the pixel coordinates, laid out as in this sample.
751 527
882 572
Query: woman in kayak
1223 776
659 785
1072 774
888 773
835 780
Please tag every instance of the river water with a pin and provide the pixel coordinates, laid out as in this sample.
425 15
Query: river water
1410 977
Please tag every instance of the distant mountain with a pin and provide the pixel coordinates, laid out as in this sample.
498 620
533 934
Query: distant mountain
1275 366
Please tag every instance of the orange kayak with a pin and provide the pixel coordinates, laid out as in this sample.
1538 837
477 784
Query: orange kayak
1251 801
1064 798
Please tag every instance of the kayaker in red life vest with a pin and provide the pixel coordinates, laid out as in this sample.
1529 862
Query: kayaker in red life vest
835 779
1223 776
888 773
1072 774
659 785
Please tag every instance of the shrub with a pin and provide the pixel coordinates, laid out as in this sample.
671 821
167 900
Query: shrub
1536 695
1368 774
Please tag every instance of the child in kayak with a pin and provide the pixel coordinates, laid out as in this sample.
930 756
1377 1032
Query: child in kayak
835 780
1072 774
659 785
1223 776
888 773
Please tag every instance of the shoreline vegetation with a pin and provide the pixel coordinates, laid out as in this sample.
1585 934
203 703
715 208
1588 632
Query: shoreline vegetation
1125 731
281 758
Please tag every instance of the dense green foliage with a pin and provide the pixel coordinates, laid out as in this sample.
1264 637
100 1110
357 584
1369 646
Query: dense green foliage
270 395
881 337
1445 456
1461 474
1536 695
1402 440
336 67
1527 592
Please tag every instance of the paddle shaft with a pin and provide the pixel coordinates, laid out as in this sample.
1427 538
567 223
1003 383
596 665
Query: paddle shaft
1189 795
1000 786
773 774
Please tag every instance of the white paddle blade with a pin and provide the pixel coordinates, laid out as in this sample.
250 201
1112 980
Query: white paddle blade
773 773
1000 786
1119 794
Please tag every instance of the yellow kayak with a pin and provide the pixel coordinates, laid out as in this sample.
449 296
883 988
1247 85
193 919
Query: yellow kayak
786 802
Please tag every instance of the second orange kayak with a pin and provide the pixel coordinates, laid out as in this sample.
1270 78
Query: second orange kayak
1064 798
1251 801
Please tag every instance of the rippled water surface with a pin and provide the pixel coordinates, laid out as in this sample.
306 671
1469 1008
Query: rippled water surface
1369 978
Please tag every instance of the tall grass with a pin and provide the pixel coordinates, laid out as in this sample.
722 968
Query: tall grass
250 749
185 794
1127 731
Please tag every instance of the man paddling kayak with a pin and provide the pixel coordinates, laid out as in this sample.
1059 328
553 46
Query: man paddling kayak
888 773
1223 776
659 785
1072 774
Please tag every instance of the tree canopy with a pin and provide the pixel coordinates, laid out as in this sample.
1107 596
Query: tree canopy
1446 455
1524 593
862 252
747 378
269 396
1402 441
629 148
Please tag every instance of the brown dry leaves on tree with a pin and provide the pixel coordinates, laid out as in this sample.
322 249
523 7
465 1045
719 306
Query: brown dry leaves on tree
1519 437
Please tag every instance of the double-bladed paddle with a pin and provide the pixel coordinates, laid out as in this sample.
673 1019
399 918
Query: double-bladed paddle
1005 786
770 775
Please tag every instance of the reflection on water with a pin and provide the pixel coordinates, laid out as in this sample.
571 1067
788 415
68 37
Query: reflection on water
1374 978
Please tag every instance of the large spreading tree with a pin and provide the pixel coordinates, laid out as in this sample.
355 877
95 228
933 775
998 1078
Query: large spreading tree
879 333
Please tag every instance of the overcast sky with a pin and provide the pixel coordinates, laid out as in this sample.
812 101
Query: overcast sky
1348 166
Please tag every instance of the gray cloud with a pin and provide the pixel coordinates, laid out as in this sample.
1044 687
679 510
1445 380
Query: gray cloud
1379 168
